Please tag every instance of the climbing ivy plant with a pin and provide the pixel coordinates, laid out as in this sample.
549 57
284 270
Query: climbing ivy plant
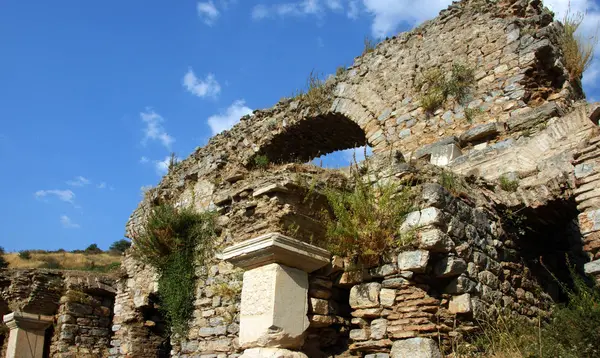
175 241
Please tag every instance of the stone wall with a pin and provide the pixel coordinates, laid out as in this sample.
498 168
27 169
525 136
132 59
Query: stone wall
521 121
80 302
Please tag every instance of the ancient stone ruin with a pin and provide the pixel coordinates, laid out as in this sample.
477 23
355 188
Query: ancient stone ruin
522 145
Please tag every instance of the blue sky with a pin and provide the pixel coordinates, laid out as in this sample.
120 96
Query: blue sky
95 95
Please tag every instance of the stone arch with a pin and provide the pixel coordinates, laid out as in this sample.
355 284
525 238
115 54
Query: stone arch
314 136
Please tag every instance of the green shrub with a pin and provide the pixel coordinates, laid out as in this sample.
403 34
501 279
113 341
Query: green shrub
261 161
120 246
3 263
507 184
93 249
435 87
578 53
25 255
366 219
174 240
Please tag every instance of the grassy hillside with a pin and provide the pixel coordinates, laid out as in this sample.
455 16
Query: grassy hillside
103 262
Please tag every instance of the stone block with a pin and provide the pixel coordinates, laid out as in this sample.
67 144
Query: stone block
387 297
435 195
415 348
396 282
461 284
450 266
435 240
431 217
377 355
319 306
274 307
271 353
379 328
481 132
359 334
26 337
442 155
365 295
592 268
276 248
460 304
415 261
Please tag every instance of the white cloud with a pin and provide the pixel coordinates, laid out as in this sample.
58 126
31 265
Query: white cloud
154 129
162 166
101 185
67 223
320 42
207 12
62 195
358 153
301 8
79 181
334 4
144 160
353 9
209 87
233 113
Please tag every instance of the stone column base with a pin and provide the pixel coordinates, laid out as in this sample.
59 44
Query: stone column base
271 353
26 338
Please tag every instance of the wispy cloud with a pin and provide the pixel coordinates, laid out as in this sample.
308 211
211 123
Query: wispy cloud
144 160
154 129
208 87
63 195
67 223
208 12
301 8
226 120
162 166
79 181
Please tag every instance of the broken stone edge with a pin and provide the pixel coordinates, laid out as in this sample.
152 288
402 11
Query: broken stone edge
276 248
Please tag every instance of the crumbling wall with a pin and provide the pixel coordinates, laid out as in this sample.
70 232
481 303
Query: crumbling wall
520 119
80 302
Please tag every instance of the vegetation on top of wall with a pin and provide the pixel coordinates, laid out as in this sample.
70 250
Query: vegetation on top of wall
578 52
318 92
261 161
572 330
370 45
364 221
174 241
435 87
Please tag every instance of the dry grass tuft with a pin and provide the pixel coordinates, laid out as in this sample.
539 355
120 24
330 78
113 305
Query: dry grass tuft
65 260
578 52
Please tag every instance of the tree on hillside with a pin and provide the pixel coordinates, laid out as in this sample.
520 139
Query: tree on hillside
93 249
3 263
120 246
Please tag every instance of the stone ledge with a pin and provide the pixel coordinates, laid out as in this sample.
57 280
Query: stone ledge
276 248
27 321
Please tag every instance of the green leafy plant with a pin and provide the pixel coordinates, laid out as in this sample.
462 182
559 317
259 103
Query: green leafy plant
578 52
261 161
364 221
174 241
451 182
435 87
508 184
25 255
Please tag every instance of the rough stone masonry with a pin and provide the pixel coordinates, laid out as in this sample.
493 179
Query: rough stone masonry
524 119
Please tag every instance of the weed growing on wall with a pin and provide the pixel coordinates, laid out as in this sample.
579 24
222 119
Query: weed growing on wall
435 87
370 45
508 184
578 52
261 161
572 331
318 93
364 221
174 241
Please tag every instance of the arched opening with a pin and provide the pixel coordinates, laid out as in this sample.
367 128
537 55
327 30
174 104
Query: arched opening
314 137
